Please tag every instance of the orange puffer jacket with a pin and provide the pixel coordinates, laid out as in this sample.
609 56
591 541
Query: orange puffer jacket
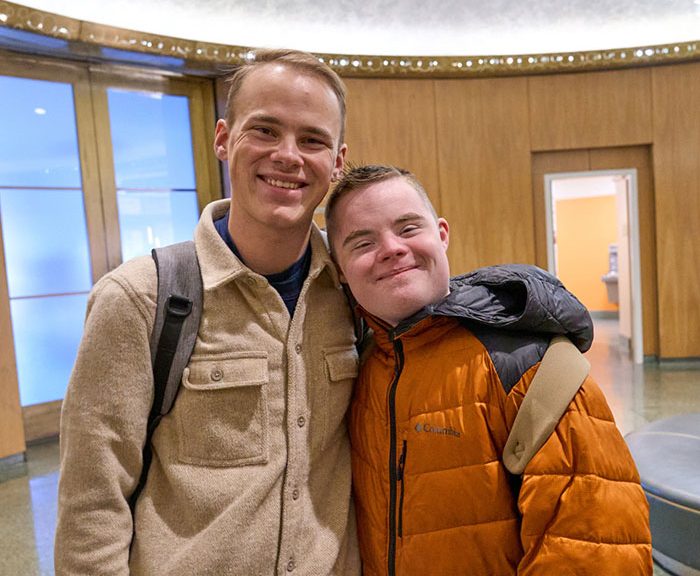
431 414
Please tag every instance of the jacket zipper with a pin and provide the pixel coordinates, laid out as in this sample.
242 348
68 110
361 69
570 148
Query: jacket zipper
402 469
393 473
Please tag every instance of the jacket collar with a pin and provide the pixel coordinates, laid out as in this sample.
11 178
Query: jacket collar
512 297
219 265
418 330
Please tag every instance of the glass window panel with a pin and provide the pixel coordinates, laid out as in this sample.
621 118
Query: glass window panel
47 332
151 140
46 242
38 139
151 219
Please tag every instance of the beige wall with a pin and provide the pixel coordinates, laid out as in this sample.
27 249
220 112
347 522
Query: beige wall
481 147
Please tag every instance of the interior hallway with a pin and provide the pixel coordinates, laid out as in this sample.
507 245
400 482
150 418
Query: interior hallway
636 394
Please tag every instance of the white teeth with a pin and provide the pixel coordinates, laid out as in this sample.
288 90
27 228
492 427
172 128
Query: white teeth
282 184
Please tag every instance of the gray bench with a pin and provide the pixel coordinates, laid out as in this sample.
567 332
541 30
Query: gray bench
667 454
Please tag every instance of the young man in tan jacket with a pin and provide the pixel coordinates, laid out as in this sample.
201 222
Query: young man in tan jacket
438 395
251 468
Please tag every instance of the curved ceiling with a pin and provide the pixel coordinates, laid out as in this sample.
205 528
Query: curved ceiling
401 27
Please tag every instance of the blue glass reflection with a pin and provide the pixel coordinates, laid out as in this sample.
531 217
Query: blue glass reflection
151 219
38 139
46 242
115 54
47 332
151 140
21 40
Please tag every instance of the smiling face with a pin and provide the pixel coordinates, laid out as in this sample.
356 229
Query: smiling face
390 249
282 149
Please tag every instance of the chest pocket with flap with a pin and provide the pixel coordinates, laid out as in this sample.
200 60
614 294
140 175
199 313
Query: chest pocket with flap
222 410
331 397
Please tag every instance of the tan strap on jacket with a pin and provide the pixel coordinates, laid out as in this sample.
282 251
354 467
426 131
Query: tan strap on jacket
559 376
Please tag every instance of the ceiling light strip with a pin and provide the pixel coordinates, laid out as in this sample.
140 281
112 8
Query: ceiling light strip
209 57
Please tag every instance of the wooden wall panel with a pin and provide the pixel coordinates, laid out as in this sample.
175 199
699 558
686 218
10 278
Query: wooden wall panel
393 122
590 110
11 424
676 92
484 161
42 421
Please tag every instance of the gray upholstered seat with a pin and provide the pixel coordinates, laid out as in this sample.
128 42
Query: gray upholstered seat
667 453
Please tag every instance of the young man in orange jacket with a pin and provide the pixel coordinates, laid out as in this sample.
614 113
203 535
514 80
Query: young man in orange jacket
439 392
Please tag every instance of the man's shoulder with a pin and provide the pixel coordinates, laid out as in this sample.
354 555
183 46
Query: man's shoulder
133 282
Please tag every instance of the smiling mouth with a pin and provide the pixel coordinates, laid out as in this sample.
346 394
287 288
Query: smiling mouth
394 273
282 183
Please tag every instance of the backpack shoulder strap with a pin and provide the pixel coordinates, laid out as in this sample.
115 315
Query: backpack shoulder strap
559 376
178 312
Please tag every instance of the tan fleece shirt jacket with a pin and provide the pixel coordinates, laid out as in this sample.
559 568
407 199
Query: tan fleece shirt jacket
251 468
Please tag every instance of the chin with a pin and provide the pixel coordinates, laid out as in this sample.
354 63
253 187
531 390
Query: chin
289 219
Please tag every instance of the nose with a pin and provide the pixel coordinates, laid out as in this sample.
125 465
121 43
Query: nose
391 247
287 153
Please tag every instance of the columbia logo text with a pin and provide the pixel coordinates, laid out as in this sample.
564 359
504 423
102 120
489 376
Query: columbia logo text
430 429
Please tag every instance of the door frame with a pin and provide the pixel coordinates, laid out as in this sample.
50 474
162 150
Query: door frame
634 252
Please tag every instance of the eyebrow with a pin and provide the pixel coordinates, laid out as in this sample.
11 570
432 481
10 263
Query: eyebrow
355 234
266 118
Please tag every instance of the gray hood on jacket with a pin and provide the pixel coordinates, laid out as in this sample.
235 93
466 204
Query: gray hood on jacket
517 297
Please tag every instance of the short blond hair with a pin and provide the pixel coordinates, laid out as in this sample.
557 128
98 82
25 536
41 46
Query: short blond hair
301 61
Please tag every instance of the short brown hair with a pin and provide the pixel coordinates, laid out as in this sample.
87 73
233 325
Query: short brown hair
301 61
359 177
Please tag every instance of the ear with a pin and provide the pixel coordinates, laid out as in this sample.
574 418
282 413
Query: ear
339 162
221 140
444 230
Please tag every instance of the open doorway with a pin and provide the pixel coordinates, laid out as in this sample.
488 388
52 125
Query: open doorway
592 225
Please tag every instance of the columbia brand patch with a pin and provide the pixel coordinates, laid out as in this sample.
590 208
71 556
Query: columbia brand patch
430 429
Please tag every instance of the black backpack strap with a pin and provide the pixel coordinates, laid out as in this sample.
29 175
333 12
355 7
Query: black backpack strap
178 312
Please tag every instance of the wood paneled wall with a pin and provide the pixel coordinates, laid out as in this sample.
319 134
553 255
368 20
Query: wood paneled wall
485 171
393 122
11 424
478 144
676 95
594 110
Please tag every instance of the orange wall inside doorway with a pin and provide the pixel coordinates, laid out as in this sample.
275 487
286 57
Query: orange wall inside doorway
585 227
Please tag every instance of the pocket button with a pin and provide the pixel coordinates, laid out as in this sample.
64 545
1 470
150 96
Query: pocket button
217 374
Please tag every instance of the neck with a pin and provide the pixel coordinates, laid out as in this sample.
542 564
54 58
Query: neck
269 251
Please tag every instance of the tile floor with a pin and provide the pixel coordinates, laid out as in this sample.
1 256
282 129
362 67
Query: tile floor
636 394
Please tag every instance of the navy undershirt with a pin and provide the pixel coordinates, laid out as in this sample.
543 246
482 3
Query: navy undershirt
289 282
